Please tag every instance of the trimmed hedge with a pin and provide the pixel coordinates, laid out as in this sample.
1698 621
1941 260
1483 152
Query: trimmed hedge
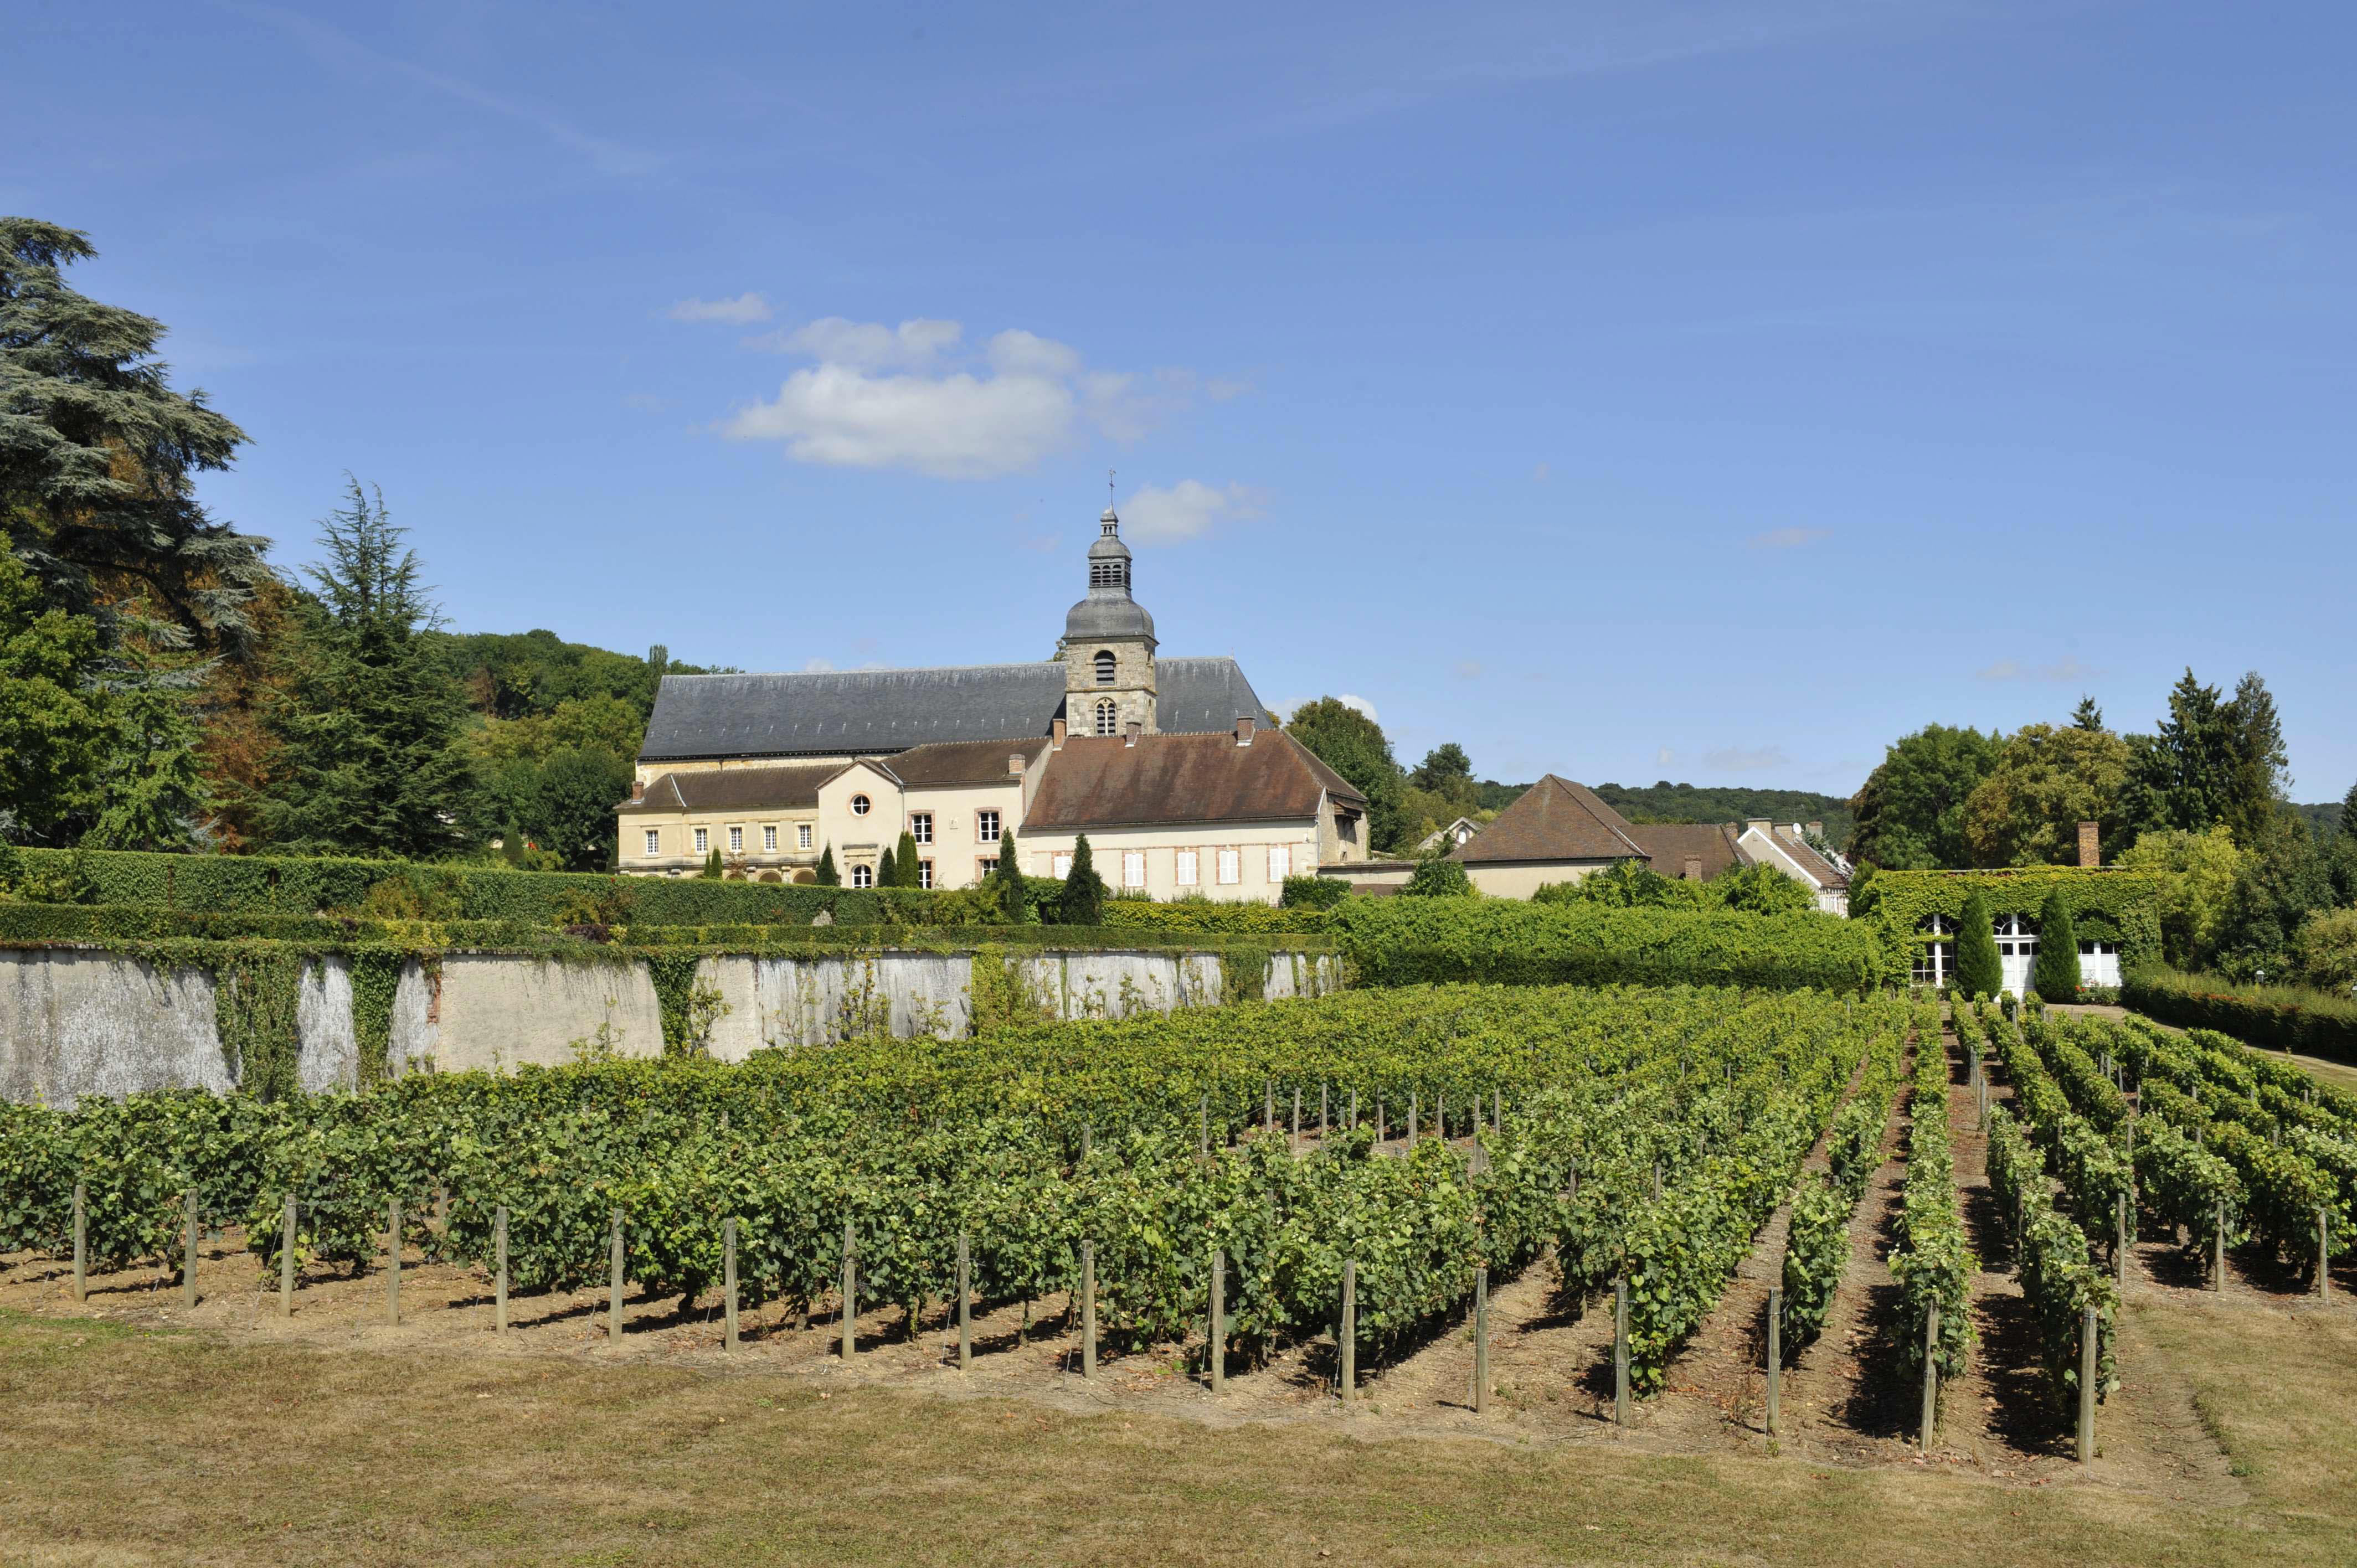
288 885
2278 1017
2106 904
1202 915
1410 941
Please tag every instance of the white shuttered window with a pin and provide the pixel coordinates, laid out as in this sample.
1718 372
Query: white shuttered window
1280 861
1133 868
1231 867
1187 875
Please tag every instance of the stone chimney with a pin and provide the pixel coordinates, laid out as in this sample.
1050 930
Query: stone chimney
1056 734
1244 730
1014 763
1694 868
2089 849
1763 825
637 789
1814 830
1130 731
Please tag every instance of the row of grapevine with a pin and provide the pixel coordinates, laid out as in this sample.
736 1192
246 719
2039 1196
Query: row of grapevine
2053 1262
1933 1264
1646 1134
1816 1246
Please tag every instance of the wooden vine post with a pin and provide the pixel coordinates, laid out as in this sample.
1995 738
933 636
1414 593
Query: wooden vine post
287 1262
614 1281
2324 1254
728 1282
850 1291
1088 1309
2120 1247
1621 1351
966 1303
2217 1251
2087 1384
1480 1340
1215 1341
1930 1377
1347 1349
81 1242
393 1260
500 1269
1415 1107
1775 1355
189 1256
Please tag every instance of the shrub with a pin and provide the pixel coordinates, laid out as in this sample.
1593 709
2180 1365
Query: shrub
1312 893
905 860
1978 970
2056 976
2324 951
2279 1017
1084 890
1436 879
828 875
888 870
711 872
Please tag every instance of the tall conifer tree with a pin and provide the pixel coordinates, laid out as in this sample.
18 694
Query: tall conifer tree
1978 970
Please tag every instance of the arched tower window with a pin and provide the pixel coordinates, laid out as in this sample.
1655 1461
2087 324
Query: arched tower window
1108 573
1108 717
1105 666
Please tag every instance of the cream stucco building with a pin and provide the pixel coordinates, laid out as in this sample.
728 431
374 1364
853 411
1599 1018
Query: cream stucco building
1165 763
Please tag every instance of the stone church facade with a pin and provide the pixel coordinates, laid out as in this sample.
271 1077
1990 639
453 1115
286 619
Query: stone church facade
1169 764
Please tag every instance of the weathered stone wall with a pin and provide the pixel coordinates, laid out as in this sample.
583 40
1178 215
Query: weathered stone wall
74 1021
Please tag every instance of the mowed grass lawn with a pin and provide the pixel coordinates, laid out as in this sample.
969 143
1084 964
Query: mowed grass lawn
131 1447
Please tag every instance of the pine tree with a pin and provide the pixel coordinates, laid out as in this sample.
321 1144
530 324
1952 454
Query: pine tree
828 875
907 861
711 872
2349 813
888 870
373 763
1083 900
1013 905
2087 716
2056 974
1978 970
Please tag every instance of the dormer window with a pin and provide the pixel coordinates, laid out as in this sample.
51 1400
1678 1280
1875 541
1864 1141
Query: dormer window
1105 666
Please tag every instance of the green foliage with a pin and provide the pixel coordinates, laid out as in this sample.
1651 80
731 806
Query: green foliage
828 874
1007 882
1084 890
1434 878
257 986
2280 1017
2046 782
1911 810
1212 915
888 869
2055 977
1663 801
1816 1248
1932 1262
905 863
562 803
712 867
2107 904
2197 870
1354 745
1312 893
372 763
1978 970
2324 951
2214 761
2281 881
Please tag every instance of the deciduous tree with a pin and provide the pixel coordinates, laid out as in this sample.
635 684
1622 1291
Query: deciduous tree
1911 810
2046 782
1353 745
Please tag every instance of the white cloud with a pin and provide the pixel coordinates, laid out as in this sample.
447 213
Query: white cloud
1663 757
1185 510
1736 759
1466 670
905 397
1789 538
2065 668
1360 705
747 306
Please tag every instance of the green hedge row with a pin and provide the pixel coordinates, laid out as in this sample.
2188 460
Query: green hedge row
2276 1017
285 884
1409 941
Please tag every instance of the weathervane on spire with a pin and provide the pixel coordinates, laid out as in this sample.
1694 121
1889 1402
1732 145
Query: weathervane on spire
1108 488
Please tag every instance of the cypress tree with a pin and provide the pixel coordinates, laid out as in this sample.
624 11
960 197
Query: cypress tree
888 870
712 865
1083 900
907 861
1013 905
2056 976
827 877
1978 972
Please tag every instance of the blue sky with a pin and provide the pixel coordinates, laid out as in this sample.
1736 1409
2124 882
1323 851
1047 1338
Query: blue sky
1633 391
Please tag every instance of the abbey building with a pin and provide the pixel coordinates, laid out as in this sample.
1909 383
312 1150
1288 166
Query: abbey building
1170 766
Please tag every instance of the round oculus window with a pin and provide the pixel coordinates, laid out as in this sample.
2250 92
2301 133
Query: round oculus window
859 805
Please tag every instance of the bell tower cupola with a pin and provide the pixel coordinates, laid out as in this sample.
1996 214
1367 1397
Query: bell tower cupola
1108 645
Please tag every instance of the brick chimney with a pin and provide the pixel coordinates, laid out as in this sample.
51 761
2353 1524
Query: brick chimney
637 789
2090 850
1131 731
1694 868
1244 730
1014 763
1814 830
1056 734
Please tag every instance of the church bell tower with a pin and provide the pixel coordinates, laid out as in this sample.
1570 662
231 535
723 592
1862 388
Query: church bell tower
1108 646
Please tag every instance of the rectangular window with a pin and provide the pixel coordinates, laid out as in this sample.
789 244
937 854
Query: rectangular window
703 841
655 841
1187 873
769 836
801 835
1133 868
924 874
1231 867
984 869
921 826
985 827
736 840
1280 861
1062 863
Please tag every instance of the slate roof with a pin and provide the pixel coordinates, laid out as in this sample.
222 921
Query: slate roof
736 789
881 711
1669 844
1177 778
1553 820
